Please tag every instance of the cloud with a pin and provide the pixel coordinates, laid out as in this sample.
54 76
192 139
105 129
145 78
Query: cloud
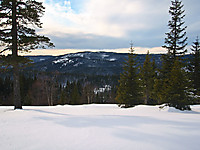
68 3
113 18
111 22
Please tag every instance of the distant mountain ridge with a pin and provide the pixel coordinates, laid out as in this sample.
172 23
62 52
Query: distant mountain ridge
92 63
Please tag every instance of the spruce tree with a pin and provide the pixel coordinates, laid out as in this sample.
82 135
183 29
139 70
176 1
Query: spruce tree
195 66
161 82
148 76
75 95
17 33
178 87
1 90
175 43
176 39
129 89
63 98
172 78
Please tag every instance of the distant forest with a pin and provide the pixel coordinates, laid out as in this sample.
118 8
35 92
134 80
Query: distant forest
57 88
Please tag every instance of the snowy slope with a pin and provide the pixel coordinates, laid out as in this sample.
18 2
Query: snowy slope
89 63
99 127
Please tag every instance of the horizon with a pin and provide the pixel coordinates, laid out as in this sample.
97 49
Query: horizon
58 52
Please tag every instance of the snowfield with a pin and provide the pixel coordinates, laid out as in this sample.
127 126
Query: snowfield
99 127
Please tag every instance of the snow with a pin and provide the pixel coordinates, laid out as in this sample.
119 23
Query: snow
99 127
78 64
63 59
104 56
42 59
112 59
75 55
106 88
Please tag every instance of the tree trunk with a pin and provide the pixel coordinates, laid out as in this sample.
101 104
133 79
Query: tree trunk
16 88
88 97
16 83
14 30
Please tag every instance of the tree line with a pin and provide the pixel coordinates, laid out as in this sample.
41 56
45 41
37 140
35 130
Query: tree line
46 89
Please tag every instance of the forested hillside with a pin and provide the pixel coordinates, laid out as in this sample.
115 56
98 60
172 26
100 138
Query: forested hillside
80 78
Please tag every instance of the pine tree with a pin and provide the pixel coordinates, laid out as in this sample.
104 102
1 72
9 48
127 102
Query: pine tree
175 43
17 33
176 39
172 79
75 95
1 90
63 98
129 90
178 87
148 76
195 66
161 82
25 85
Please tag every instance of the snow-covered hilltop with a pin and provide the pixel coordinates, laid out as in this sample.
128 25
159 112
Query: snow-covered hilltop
92 63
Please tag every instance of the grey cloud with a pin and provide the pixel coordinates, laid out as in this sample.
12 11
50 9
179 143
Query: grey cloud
88 41
154 17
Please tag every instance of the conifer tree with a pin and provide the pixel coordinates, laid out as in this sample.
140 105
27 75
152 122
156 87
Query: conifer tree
175 43
129 89
1 90
195 66
176 39
17 33
63 99
171 84
178 87
148 76
75 95
162 81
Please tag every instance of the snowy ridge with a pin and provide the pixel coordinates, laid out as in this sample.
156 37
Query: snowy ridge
92 63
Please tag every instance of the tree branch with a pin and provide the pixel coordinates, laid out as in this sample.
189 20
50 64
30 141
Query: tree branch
4 50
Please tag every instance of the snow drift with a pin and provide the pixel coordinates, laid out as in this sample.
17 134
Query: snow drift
99 127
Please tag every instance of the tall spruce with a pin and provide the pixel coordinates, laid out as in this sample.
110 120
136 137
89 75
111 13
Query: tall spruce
129 89
172 78
175 43
176 39
17 33
195 66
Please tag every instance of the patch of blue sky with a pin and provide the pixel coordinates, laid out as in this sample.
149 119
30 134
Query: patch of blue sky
76 5
54 1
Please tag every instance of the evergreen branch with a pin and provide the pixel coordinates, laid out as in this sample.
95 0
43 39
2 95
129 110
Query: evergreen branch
4 50
4 30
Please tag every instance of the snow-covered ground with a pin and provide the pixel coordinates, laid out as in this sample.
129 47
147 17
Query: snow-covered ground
99 127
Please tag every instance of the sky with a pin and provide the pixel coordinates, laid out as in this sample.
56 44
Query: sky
110 25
